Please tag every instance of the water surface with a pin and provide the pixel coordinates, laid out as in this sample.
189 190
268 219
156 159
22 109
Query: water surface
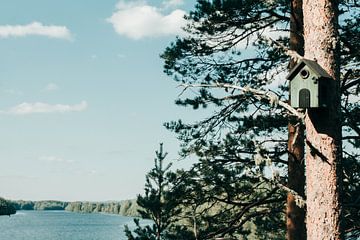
61 225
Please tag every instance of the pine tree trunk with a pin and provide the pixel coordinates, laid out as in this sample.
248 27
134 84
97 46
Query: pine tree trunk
323 127
295 216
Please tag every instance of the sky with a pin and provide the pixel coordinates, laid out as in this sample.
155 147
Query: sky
83 96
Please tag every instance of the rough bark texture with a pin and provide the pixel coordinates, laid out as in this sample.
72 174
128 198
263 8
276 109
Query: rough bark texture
295 222
295 216
323 129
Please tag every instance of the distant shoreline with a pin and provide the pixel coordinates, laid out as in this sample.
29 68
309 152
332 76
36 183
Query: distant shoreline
123 208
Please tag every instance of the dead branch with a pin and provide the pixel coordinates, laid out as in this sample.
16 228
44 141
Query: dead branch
260 94
291 53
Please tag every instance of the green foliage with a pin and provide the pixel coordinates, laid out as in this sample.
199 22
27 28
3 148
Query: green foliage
39 205
123 208
49 205
6 208
227 142
244 142
213 206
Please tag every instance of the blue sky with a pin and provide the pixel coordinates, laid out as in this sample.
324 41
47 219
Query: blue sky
83 96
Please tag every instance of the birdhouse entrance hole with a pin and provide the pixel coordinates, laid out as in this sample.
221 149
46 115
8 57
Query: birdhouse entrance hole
304 98
304 73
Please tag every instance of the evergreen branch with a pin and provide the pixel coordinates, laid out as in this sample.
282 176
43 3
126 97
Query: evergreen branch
244 204
351 122
351 84
233 223
344 80
351 138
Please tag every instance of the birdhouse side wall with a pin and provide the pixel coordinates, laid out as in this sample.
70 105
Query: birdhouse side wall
326 89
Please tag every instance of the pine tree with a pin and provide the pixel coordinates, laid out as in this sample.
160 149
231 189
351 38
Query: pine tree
295 215
159 203
323 127
232 46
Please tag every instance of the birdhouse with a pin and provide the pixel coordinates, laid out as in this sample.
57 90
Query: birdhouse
310 85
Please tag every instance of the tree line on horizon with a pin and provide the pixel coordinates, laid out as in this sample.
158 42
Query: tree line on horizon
123 208
6 208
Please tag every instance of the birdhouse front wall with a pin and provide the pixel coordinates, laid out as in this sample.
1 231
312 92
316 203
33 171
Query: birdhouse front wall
304 89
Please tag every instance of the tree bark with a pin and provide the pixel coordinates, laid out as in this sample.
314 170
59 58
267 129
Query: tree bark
323 128
295 215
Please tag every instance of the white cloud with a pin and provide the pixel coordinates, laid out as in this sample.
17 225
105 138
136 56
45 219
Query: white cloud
30 108
51 87
54 159
137 20
35 28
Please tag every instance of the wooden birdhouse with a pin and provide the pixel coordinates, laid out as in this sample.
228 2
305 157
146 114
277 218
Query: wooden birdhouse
310 85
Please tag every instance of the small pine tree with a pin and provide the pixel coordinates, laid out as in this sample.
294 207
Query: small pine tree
158 204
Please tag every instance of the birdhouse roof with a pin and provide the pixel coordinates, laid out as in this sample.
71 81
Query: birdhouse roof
314 66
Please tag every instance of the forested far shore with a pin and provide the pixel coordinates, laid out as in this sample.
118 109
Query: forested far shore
123 208
6 208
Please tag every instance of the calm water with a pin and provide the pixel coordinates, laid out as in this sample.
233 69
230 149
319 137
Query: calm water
61 225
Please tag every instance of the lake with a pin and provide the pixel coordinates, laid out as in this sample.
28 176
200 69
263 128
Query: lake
61 225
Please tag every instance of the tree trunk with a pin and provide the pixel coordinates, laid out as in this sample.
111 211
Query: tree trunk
295 216
323 128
